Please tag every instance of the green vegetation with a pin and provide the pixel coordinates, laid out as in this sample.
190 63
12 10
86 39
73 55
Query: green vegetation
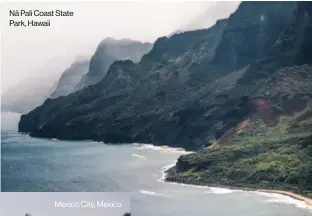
195 175
271 149
260 157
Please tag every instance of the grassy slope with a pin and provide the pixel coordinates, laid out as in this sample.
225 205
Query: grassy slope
271 158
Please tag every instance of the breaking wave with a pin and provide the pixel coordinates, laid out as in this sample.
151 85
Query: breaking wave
279 198
217 190
138 156
163 148
152 193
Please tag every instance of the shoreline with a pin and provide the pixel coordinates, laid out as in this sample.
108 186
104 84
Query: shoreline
164 174
293 195
298 197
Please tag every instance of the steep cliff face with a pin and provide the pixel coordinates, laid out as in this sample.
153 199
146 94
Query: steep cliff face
271 147
134 100
70 78
108 51
251 31
295 42
182 93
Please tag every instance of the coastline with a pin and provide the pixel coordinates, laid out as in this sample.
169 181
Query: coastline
293 195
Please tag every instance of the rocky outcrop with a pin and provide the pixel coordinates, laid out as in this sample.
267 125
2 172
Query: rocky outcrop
181 93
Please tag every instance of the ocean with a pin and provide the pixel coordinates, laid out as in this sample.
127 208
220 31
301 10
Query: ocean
30 164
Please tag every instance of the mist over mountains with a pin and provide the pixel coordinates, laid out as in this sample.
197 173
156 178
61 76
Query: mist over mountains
168 84
70 78
215 11
78 75
32 92
28 93
88 72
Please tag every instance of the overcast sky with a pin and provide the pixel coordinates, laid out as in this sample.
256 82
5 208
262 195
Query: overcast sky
40 51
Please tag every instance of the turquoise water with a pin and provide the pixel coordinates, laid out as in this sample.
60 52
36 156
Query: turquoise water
30 164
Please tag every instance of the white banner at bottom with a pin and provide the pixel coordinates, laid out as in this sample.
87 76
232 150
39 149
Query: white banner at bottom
64 204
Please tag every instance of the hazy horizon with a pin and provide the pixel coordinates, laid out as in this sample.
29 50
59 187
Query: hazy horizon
28 52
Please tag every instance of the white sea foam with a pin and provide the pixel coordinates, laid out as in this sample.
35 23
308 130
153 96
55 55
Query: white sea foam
162 148
164 174
163 171
147 192
273 198
217 190
138 156
279 198
152 193
206 189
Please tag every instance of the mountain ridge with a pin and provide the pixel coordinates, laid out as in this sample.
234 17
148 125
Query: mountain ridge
108 51
238 92
164 80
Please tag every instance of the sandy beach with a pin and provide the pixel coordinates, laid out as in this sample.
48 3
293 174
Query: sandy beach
307 200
